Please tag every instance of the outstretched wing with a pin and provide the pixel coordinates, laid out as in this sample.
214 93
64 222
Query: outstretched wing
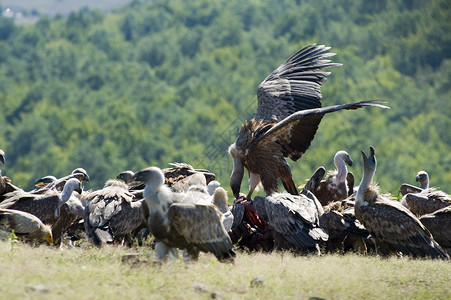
296 132
294 85
200 225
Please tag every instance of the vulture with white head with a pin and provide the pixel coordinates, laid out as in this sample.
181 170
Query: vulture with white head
395 228
422 177
188 226
24 225
45 206
335 186
288 115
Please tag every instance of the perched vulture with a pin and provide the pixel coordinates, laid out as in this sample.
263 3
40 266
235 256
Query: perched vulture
344 230
220 200
112 213
45 181
294 219
179 171
71 213
422 177
25 226
45 206
439 224
79 173
426 201
179 177
395 228
335 187
5 183
288 115
188 226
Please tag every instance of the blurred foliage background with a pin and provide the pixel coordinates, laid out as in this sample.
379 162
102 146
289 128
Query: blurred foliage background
166 81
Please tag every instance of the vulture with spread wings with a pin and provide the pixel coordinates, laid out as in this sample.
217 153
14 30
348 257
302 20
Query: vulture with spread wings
288 115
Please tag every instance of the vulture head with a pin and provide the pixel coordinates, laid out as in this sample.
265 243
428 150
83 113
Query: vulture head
151 176
44 181
212 186
423 178
24 225
343 156
81 174
71 185
369 162
126 176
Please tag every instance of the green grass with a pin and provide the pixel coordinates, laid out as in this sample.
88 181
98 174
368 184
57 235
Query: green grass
90 273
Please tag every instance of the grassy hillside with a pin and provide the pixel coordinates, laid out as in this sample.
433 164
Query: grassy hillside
161 81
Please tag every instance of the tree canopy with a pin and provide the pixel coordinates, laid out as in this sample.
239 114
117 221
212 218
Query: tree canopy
171 81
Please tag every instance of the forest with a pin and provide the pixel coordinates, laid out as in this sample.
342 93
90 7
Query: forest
163 81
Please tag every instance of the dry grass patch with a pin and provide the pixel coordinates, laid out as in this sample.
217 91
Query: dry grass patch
91 273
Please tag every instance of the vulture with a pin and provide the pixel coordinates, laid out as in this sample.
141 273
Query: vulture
79 173
219 199
24 225
179 171
71 213
394 227
335 186
288 115
45 181
426 201
183 225
112 213
5 183
45 206
344 230
422 177
2 180
179 177
294 220
439 224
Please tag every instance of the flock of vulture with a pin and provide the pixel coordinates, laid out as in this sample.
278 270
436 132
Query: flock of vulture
186 211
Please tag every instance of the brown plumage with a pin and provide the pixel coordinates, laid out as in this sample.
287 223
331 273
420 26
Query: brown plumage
426 201
335 186
45 206
393 226
439 224
345 231
24 225
422 177
112 213
5 183
183 225
288 115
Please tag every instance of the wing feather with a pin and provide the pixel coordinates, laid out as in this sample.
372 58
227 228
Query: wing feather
295 84
201 226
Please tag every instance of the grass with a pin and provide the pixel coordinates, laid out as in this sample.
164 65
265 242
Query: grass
86 272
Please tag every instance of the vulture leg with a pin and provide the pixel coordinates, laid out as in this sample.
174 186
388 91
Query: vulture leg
254 180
